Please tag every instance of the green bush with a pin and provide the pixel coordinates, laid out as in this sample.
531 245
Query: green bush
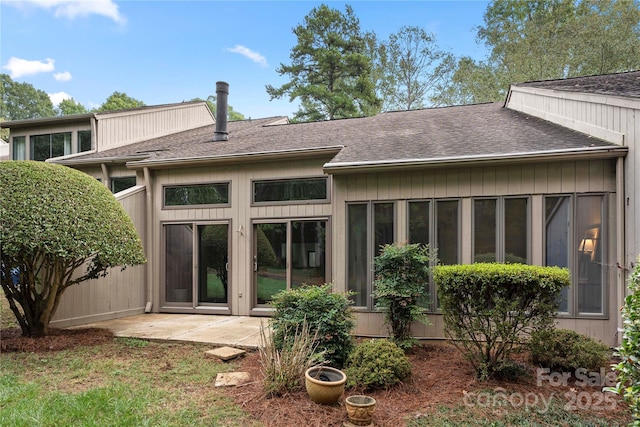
629 351
328 315
488 309
565 350
401 278
376 364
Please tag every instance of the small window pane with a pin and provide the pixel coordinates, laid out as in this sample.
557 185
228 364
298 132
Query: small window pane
484 230
199 194
40 147
122 183
515 230
19 148
419 222
448 231
84 140
357 262
383 226
290 190
590 254
557 228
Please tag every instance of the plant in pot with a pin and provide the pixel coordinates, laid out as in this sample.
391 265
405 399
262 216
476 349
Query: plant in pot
360 409
324 384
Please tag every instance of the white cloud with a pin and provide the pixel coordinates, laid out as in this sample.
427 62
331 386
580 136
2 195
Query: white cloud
58 97
19 67
62 77
78 8
246 52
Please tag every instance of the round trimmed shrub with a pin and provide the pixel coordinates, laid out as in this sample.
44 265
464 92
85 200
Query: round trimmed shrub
377 364
566 350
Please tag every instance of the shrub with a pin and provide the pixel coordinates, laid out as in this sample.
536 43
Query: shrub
328 315
629 351
401 278
376 364
565 350
489 308
283 369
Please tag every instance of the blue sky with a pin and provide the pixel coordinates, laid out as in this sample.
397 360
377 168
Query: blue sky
171 51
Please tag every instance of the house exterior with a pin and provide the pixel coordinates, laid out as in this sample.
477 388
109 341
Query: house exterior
231 213
4 150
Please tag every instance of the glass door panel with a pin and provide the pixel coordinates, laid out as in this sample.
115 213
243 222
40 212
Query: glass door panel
179 263
270 260
213 262
308 253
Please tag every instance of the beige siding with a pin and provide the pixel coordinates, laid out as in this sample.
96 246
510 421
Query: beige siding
119 294
119 129
466 183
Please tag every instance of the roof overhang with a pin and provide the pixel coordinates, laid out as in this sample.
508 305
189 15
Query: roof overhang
99 160
17 124
236 158
587 153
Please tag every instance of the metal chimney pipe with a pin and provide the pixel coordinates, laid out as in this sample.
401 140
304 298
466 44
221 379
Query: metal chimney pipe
222 94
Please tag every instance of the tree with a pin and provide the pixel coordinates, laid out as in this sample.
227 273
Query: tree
211 101
58 227
330 71
20 101
120 101
467 82
70 106
413 67
539 40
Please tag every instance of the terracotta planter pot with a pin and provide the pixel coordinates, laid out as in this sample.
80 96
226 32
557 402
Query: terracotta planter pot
360 410
324 384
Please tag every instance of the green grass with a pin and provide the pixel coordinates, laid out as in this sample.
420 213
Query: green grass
126 383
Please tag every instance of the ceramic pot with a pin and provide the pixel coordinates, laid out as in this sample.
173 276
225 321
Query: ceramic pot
324 384
360 410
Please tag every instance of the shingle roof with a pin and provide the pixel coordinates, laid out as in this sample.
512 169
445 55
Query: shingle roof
620 84
464 131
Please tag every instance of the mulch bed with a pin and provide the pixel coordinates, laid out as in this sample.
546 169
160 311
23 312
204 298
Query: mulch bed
11 340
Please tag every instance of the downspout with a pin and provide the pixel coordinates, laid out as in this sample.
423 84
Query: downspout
105 175
149 238
621 256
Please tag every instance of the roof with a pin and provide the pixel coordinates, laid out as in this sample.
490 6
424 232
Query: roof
429 135
619 84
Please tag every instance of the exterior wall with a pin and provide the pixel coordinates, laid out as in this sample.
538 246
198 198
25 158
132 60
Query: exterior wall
51 128
534 180
120 293
240 214
119 129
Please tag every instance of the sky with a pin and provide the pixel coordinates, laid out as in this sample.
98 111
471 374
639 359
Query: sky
162 52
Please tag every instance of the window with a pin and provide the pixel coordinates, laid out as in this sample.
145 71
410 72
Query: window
290 190
197 194
501 230
19 147
84 140
439 229
370 226
122 183
575 238
44 147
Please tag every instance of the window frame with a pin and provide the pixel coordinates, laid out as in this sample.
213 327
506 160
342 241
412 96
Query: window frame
327 199
67 149
197 206
79 141
370 247
114 179
24 147
574 241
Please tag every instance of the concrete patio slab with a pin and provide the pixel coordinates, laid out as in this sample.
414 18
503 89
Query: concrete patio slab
233 331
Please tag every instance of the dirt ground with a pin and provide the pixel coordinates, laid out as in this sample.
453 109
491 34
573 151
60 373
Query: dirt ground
440 376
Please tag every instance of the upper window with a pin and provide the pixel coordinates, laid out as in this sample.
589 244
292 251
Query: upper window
501 230
19 148
84 140
44 147
122 183
290 190
197 194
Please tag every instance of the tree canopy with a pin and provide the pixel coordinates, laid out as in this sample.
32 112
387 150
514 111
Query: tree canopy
21 101
547 39
211 101
70 106
119 101
330 70
58 227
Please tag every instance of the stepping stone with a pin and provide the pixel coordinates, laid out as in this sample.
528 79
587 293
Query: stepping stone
225 353
232 378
